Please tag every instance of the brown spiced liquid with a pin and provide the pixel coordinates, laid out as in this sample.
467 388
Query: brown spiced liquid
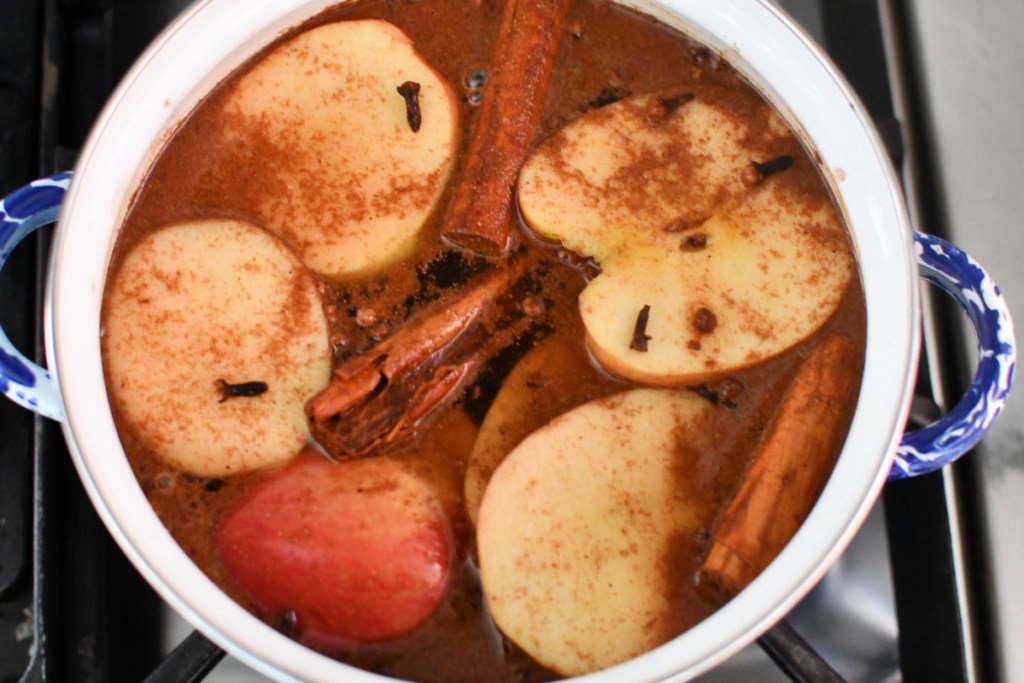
606 53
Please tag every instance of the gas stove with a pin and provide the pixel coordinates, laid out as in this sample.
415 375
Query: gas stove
928 590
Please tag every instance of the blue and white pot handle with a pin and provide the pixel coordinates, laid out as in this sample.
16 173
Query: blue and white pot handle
945 440
920 451
21 212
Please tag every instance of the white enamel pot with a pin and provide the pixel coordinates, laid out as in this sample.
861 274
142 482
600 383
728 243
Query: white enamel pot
215 36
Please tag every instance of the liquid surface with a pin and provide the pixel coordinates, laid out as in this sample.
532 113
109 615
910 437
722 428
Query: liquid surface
606 53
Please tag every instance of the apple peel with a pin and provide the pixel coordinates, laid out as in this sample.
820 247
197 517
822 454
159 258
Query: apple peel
349 553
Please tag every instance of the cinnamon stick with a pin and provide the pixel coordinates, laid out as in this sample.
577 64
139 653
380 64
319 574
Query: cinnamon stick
480 215
399 354
786 474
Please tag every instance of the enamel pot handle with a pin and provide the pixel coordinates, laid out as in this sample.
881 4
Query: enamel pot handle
945 440
21 212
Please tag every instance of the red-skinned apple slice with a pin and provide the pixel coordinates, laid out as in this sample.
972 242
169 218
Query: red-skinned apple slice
353 552
733 272
352 182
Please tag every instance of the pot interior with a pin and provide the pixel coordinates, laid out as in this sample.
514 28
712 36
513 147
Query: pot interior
211 40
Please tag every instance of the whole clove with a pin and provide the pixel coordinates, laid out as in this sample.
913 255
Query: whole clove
695 242
662 107
723 394
608 96
289 622
704 320
240 390
640 336
706 392
756 172
410 91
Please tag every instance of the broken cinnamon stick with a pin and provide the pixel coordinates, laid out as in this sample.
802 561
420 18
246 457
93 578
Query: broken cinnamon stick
480 215
786 474
399 354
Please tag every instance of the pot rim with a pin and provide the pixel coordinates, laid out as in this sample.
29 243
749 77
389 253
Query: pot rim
758 39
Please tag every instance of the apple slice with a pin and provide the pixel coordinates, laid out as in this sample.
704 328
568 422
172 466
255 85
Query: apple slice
352 181
702 273
532 392
346 553
576 530
214 338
